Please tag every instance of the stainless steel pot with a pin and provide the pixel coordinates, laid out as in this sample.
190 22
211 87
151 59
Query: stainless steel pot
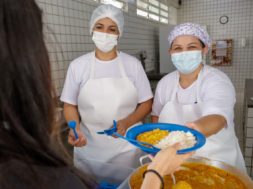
233 170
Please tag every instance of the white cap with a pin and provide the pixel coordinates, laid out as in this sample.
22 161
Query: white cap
108 11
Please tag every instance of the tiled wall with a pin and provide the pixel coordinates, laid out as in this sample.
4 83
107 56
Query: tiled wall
67 34
240 25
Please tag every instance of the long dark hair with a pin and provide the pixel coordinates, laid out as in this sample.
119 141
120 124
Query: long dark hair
26 103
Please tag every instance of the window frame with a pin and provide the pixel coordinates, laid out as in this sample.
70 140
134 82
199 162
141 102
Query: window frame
124 3
154 10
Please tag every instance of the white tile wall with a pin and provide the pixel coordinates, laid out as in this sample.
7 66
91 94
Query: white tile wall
67 34
240 25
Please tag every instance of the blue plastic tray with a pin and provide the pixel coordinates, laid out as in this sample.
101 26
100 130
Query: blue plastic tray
135 131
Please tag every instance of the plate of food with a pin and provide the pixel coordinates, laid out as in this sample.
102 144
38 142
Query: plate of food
162 135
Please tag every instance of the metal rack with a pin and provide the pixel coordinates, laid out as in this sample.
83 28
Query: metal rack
248 127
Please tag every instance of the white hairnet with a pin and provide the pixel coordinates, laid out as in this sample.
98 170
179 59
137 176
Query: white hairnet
108 11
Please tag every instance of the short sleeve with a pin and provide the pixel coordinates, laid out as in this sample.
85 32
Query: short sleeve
71 87
218 96
163 92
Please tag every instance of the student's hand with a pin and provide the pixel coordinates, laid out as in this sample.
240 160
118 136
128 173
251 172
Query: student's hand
81 141
167 161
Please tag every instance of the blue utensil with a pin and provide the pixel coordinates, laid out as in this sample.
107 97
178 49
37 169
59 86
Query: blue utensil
106 185
113 130
72 125
147 145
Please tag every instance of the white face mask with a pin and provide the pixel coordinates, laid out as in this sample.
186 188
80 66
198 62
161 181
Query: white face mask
104 41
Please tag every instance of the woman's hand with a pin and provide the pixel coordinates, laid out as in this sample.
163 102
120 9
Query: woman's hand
138 115
81 141
122 126
167 161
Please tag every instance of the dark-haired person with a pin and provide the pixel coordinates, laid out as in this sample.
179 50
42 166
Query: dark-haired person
198 95
30 158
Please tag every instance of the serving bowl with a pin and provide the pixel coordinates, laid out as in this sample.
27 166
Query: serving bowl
136 179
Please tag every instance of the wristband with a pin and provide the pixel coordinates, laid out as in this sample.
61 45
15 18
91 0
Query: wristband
156 173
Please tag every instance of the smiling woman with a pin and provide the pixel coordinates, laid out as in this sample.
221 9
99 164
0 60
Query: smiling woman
198 96
105 78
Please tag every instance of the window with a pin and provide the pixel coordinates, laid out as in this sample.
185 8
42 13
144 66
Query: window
154 17
142 13
157 10
164 13
172 15
164 7
154 2
153 9
122 4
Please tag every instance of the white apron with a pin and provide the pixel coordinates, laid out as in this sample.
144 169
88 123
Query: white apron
222 146
101 101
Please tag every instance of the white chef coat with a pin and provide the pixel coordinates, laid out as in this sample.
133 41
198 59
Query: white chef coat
79 72
222 146
114 78
215 91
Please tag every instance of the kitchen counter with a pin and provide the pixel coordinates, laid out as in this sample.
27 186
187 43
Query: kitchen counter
249 92
154 78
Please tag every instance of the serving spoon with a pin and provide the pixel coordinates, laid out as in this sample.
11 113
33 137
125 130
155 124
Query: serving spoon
112 131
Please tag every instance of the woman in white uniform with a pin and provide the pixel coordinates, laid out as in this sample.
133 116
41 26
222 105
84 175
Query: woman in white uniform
198 96
103 86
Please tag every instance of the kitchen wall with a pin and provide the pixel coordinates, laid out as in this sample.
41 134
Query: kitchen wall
67 34
240 25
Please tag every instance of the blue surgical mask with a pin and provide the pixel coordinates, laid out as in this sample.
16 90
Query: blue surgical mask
187 61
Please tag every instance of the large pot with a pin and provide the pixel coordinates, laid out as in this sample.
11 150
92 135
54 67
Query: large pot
246 180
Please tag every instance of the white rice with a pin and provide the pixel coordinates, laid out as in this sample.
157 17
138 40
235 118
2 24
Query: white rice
185 139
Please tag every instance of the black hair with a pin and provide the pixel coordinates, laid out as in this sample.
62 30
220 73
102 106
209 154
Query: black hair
202 44
26 102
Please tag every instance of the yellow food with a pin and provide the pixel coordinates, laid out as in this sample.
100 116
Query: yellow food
198 176
181 185
152 137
